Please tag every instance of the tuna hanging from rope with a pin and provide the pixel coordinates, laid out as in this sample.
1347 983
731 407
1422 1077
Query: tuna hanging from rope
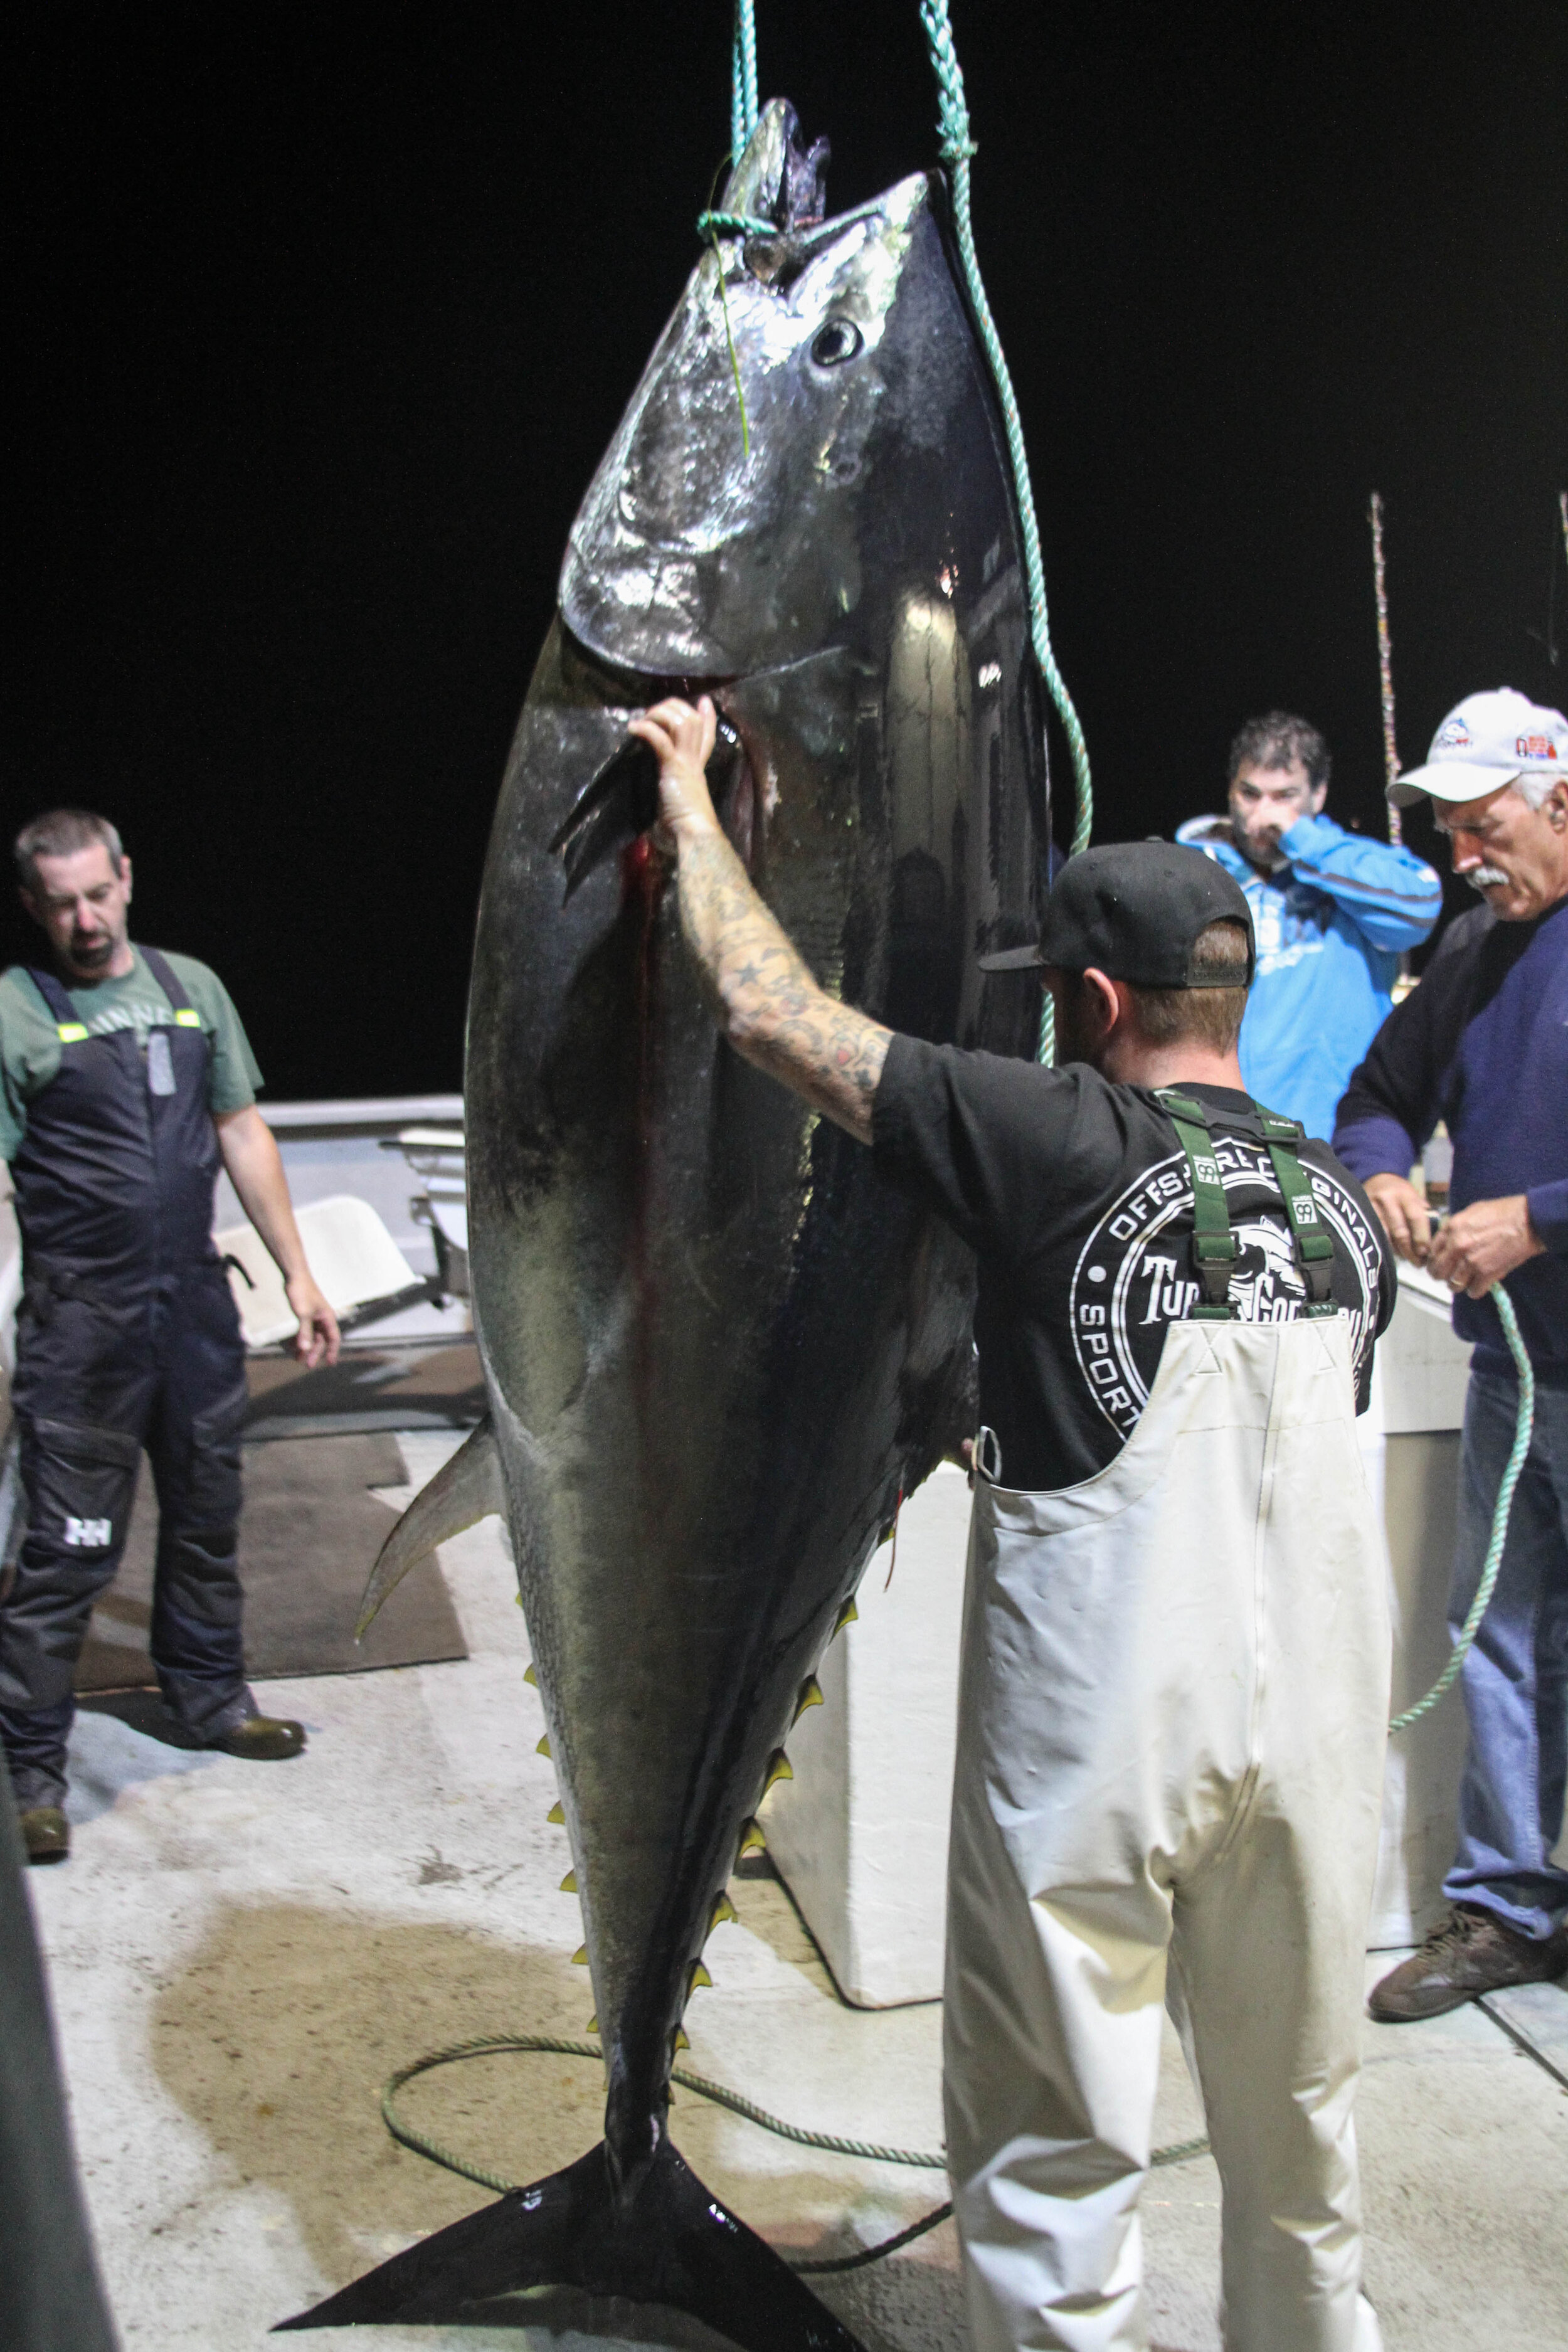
716 1349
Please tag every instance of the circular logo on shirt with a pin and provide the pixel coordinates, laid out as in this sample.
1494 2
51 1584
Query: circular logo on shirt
1134 1275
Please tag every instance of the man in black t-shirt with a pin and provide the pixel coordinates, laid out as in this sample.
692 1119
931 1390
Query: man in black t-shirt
1176 1672
1073 1193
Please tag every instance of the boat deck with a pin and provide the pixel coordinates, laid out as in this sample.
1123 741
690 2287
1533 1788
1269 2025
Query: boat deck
241 1954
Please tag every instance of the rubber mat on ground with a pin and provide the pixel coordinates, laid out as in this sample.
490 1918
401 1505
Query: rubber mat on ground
309 1535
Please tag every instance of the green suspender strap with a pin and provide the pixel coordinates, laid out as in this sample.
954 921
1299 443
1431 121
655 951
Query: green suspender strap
1214 1249
1314 1248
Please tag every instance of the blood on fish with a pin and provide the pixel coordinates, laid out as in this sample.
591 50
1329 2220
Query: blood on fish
644 873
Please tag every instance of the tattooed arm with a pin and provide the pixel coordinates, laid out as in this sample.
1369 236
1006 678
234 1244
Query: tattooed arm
771 1009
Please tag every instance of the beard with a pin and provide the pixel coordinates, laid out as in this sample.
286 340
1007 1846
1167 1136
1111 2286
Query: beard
88 955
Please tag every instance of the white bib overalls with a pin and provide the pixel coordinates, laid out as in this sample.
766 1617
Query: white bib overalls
1170 1755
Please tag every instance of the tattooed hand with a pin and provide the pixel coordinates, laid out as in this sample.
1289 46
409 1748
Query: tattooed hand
770 1007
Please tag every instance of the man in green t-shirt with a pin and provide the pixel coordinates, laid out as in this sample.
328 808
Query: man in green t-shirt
126 1080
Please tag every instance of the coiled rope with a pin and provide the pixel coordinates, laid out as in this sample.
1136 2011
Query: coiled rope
535 2045
1523 1428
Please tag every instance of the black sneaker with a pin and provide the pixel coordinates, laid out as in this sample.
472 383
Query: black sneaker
1472 1952
46 1833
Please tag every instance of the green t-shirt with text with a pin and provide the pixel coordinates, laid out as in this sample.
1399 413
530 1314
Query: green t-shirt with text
30 1045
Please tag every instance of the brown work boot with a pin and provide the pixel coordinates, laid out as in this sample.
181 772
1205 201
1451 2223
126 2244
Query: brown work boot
263 1739
46 1833
1472 1952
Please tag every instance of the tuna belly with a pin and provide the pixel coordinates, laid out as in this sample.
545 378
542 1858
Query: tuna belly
713 1338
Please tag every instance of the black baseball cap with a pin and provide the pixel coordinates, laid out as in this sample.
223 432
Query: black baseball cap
1134 909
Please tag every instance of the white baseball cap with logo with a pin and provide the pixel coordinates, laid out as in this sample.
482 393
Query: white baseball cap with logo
1486 741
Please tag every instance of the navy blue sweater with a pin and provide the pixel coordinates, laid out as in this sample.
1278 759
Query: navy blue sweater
1483 1045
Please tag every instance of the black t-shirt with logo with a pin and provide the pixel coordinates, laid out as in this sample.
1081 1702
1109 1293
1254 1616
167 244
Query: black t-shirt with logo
1074 1196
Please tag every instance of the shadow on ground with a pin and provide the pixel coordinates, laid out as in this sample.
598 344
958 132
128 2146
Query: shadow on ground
276 2037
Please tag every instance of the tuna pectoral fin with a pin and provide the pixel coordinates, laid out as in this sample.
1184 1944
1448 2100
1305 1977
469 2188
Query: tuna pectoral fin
621 802
668 2242
469 1488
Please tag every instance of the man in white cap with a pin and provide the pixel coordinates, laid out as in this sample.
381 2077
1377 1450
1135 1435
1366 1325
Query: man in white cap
1483 1043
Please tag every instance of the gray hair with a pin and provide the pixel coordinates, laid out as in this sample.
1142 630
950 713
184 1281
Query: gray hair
1534 789
1278 739
60 832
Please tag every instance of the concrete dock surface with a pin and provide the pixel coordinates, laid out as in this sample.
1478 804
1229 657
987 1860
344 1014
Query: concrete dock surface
241 1954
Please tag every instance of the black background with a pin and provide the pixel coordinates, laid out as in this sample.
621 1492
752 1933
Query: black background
320 321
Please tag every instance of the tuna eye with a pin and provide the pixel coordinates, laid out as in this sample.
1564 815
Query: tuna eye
836 342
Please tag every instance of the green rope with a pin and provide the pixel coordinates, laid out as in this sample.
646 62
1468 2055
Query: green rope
742 79
1523 1429
711 224
501 2045
957 149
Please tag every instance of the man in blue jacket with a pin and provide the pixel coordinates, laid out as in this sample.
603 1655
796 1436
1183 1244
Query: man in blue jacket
1483 1043
1332 912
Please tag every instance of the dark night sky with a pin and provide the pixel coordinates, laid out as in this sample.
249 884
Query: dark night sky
319 332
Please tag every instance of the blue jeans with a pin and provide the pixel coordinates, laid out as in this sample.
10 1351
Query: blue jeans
1515 1680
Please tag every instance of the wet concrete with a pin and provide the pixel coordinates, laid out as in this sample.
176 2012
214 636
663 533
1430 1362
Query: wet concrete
241 1954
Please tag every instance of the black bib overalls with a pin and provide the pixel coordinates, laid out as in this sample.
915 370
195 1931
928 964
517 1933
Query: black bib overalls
127 1337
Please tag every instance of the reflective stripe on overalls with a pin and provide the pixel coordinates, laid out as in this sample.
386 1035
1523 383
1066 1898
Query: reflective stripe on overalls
128 1339
1168 1785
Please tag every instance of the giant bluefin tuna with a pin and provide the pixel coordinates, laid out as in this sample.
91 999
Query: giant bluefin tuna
717 1349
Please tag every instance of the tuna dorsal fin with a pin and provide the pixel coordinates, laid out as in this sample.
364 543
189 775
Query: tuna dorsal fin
469 1489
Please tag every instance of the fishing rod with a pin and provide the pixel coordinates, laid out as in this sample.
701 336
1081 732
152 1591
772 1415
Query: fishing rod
1384 665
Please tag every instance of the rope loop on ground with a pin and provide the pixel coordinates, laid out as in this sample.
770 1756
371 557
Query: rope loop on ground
499 2046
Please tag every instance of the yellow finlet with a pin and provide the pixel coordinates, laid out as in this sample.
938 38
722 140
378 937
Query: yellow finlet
580 1957
593 2025
569 1884
681 2041
779 1769
528 1673
724 1909
543 1747
699 1975
555 1813
846 1616
752 1838
810 1696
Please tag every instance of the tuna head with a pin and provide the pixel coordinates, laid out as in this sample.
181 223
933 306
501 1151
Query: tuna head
703 549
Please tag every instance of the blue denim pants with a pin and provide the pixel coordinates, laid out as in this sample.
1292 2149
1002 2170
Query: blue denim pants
1515 1680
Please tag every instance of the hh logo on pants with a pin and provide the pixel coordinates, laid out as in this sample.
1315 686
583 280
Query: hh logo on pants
89 1535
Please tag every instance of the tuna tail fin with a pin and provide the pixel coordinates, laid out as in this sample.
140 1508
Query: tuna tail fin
665 2240
469 1488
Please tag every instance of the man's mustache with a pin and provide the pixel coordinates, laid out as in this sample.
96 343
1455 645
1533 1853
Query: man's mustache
1488 878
